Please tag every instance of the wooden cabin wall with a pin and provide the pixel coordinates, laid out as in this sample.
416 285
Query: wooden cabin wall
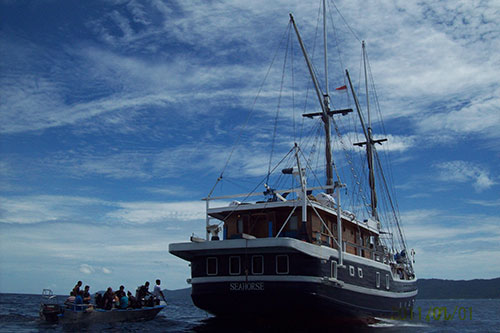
255 223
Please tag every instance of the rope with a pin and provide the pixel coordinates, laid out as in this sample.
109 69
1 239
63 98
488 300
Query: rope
279 105
252 109
345 22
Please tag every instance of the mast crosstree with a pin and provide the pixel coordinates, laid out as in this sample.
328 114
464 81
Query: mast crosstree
324 100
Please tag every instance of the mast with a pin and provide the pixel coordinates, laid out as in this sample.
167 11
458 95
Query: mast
370 142
369 147
326 118
324 101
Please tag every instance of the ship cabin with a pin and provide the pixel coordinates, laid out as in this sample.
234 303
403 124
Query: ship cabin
267 219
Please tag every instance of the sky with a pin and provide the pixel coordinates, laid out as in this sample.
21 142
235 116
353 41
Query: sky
117 117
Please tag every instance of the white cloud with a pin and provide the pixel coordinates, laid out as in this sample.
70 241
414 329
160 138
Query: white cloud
463 172
485 203
44 208
109 250
480 117
86 269
149 212
450 246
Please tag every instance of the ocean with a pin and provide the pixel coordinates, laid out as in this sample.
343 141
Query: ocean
19 313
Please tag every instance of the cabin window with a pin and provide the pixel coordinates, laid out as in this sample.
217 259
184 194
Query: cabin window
257 265
234 266
333 272
351 270
240 226
387 281
293 223
282 264
378 279
212 266
360 272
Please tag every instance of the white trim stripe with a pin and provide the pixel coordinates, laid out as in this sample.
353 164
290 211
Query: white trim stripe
300 278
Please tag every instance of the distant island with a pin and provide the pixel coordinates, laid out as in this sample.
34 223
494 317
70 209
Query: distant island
458 289
427 289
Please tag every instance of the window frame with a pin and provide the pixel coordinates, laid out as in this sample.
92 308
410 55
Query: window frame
387 281
230 265
333 269
377 279
287 264
351 271
360 272
262 265
216 266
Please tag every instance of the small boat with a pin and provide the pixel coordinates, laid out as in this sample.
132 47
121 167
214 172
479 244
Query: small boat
69 313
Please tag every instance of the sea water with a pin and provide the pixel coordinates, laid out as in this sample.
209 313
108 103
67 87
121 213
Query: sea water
19 313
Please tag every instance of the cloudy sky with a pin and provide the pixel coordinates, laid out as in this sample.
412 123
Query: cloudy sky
117 117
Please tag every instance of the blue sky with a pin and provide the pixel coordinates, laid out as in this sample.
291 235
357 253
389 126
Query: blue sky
116 118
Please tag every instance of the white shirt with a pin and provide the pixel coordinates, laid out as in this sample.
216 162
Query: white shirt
157 291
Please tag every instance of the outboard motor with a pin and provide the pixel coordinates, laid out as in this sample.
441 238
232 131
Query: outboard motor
49 308
50 312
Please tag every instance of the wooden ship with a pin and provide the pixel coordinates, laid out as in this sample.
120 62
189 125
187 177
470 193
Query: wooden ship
297 250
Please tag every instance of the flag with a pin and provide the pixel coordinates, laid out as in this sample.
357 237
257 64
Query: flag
344 87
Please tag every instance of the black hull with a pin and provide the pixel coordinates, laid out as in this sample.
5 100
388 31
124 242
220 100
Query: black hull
238 278
287 298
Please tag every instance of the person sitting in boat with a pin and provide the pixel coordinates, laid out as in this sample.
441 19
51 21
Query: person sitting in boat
76 289
99 301
86 295
124 301
108 299
142 292
132 301
157 292
120 292
78 302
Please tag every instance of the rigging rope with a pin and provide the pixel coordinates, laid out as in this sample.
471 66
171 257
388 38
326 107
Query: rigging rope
279 105
345 22
252 109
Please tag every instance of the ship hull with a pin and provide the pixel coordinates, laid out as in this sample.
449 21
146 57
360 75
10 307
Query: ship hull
286 298
313 281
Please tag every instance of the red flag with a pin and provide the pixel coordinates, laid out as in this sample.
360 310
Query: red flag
344 87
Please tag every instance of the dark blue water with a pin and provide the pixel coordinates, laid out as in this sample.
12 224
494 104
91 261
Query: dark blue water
19 313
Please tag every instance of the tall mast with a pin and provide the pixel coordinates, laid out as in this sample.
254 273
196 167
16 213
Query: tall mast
325 108
326 118
326 52
366 86
324 100
370 143
371 179
369 147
